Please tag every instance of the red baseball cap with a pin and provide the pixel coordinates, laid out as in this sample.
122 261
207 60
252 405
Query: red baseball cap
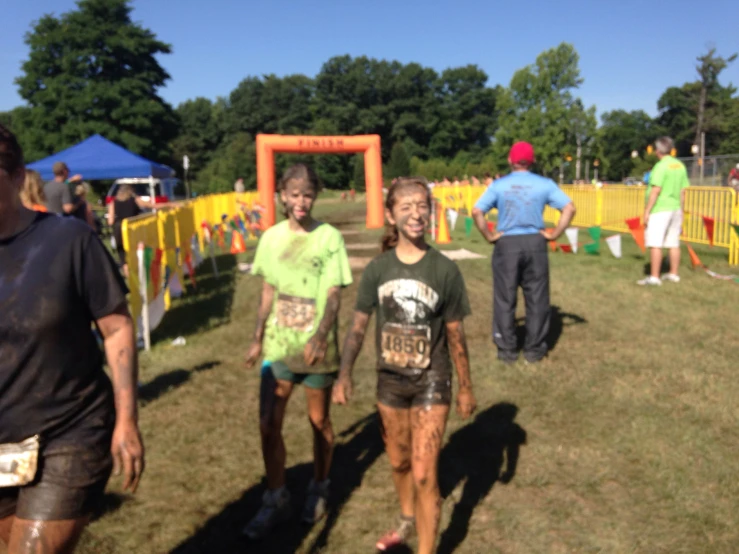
521 152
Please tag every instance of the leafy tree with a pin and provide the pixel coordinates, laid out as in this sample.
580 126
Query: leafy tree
620 134
235 159
6 119
730 140
678 115
199 135
709 68
467 114
539 107
93 70
358 180
399 164
270 105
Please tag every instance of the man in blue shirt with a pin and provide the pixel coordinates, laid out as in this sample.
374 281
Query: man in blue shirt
520 257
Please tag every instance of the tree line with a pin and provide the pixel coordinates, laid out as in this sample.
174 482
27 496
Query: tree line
93 70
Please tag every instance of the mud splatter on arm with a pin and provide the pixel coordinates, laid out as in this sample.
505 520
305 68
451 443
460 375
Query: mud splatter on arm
333 302
265 309
315 350
460 355
466 403
120 349
353 343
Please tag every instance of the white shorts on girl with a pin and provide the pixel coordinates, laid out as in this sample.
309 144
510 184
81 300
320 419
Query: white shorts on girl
663 229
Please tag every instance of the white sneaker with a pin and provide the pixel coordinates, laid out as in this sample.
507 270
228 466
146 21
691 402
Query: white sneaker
275 509
671 277
656 281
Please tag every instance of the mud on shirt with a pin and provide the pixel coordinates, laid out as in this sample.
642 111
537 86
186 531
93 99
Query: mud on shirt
302 268
56 278
413 303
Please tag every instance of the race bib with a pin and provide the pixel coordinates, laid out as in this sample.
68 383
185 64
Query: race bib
407 346
296 313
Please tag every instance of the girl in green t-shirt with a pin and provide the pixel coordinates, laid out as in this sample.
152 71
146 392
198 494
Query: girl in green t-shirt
420 301
304 266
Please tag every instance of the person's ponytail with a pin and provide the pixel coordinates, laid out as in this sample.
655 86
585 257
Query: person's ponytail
390 238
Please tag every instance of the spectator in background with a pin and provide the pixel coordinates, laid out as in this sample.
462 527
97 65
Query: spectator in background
59 192
83 212
733 180
663 215
520 256
125 204
32 193
488 179
239 185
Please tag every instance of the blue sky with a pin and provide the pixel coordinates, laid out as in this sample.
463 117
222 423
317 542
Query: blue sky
629 51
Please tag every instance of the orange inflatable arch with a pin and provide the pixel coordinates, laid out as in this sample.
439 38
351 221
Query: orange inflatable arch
268 145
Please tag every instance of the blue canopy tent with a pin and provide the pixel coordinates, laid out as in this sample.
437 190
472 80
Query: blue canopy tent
98 158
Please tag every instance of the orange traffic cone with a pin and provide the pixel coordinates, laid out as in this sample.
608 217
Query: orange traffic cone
694 259
237 243
443 236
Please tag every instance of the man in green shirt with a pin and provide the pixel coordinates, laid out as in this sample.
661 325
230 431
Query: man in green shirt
663 215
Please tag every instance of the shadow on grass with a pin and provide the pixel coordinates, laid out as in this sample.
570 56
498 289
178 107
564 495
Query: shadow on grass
664 267
222 533
162 384
110 503
558 320
475 455
206 306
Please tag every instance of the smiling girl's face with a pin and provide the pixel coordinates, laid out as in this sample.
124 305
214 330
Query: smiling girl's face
410 213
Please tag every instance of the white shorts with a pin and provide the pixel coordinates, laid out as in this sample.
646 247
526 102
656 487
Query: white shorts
663 230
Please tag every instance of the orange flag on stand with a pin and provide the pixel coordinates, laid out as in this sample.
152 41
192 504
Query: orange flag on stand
694 259
566 248
491 226
237 243
637 231
190 269
709 223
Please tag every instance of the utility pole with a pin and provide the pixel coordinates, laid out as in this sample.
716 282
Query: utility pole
186 166
703 154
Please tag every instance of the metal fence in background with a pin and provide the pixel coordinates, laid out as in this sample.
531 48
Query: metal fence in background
710 171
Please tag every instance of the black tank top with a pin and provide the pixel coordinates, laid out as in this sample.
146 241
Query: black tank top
125 209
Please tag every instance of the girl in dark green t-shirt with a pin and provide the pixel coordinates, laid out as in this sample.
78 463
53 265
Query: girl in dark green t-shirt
420 301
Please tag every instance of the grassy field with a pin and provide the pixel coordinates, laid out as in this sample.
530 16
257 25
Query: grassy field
624 440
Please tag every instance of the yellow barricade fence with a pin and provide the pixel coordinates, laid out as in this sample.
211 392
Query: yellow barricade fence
142 229
609 207
171 230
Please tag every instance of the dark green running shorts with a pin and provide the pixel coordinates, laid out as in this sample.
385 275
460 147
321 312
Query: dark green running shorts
281 372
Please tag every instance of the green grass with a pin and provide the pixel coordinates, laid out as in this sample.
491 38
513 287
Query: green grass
624 440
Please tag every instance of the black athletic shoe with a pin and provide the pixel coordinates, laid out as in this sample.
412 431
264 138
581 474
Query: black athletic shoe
507 357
